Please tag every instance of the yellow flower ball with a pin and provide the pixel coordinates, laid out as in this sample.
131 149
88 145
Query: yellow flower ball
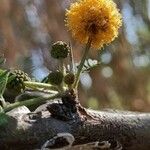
95 19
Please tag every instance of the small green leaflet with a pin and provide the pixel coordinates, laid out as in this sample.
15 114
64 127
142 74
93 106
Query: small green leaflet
3 119
3 81
89 65
2 71
45 80
1 109
10 78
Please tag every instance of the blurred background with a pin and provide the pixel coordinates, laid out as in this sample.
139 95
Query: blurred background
29 27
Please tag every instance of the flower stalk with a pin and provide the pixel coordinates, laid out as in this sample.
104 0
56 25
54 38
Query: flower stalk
87 48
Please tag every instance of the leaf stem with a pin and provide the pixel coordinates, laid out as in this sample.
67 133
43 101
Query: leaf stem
30 102
63 70
71 59
34 85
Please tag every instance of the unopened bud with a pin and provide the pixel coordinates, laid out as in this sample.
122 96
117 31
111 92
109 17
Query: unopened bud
69 78
60 50
55 78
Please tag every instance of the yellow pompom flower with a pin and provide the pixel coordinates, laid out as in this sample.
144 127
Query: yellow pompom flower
95 19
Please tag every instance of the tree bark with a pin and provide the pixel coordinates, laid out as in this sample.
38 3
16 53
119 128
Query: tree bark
30 130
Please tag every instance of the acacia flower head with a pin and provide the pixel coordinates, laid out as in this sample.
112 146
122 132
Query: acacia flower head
95 19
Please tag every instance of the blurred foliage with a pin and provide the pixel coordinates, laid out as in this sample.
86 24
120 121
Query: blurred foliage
3 81
28 27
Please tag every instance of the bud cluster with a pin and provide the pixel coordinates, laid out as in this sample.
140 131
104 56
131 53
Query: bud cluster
16 80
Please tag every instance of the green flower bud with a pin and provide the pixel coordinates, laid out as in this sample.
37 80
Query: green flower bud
55 78
16 81
69 78
60 50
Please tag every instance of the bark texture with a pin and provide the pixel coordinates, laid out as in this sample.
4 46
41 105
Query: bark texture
30 130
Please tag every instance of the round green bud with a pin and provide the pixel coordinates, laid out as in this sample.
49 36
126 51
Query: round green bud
55 78
69 78
60 50
16 81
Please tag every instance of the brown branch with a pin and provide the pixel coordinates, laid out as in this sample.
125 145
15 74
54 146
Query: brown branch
26 130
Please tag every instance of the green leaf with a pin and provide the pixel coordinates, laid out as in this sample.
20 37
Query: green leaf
45 80
1 109
3 81
11 77
2 71
3 119
89 65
